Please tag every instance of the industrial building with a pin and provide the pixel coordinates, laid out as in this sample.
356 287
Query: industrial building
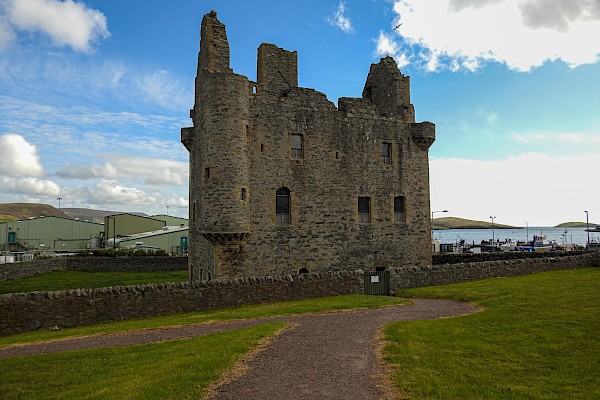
119 230
63 234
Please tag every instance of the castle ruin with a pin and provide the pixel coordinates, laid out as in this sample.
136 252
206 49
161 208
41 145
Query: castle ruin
283 182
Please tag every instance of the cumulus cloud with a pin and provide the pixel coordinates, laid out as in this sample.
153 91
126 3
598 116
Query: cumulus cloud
112 192
66 23
6 33
152 171
340 20
531 187
84 171
29 186
523 34
18 157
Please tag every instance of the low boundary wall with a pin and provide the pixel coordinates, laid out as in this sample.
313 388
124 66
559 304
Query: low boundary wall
92 264
22 312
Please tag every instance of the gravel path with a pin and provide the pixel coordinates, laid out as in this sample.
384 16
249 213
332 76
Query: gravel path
323 356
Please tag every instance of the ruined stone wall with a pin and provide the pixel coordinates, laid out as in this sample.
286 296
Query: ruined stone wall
240 155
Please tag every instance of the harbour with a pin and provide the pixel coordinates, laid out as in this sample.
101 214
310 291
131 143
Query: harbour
565 237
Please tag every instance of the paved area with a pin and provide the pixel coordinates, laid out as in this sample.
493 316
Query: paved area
323 356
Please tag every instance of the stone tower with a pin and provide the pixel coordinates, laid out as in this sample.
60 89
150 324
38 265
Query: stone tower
282 181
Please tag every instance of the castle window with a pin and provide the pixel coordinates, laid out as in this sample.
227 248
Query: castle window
399 208
386 153
206 173
296 142
364 209
282 206
243 194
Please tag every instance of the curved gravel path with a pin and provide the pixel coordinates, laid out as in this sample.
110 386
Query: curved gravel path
323 356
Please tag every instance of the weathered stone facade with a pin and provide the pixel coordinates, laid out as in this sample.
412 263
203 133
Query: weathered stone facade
282 180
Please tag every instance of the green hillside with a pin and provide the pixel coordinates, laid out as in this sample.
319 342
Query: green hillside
20 211
460 223
576 225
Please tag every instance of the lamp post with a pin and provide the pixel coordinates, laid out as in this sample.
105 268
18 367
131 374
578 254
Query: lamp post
167 211
493 236
433 212
527 227
587 228
58 212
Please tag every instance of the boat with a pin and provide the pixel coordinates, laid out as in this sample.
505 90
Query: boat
540 243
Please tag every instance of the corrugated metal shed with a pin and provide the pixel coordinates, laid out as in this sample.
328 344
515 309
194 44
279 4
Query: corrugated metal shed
48 232
168 239
124 224
172 221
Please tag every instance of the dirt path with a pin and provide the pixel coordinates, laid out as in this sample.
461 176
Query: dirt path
324 356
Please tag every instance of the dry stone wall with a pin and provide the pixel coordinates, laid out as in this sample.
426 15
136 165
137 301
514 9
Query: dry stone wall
24 312
92 264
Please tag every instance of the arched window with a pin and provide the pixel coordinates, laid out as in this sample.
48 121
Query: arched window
282 206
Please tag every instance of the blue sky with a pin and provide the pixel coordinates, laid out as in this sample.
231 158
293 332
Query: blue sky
93 95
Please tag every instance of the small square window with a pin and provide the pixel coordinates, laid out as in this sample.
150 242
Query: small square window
386 153
296 144
364 209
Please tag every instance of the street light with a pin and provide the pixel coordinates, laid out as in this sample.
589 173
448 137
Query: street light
587 228
527 226
167 211
493 236
58 212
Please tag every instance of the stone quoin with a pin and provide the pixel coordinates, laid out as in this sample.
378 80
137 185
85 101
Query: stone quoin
283 182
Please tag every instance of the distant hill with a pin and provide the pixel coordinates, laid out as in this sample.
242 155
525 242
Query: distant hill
20 211
459 223
575 225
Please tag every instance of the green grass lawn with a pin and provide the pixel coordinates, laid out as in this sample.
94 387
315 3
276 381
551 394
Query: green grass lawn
335 303
64 280
538 337
178 369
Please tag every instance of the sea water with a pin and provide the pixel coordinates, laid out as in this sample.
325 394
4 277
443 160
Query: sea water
560 235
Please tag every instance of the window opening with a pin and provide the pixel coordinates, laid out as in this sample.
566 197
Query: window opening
386 153
243 194
206 173
364 209
282 206
399 211
296 142
303 270
262 147
337 155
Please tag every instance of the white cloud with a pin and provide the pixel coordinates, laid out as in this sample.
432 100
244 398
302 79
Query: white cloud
6 33
67 23
152 171
460 34
29 186
113 192
18 157
531 187
83 171
340 19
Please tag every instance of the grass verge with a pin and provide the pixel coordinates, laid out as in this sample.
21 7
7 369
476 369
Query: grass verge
537 338
336 303
178 369
65 280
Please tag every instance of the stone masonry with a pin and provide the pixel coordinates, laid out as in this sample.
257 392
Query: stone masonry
282 181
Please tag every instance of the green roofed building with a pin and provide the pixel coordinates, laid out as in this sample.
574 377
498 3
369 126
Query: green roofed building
58 233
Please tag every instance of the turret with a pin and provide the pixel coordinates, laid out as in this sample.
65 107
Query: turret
219 188
389 90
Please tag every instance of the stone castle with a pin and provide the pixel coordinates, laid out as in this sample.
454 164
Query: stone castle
283 182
